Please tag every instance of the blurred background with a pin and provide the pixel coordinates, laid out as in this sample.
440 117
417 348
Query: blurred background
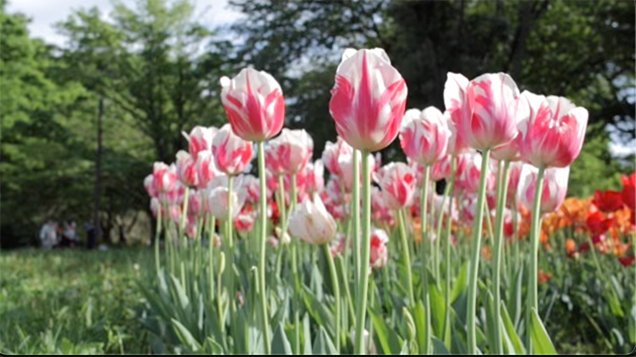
93 92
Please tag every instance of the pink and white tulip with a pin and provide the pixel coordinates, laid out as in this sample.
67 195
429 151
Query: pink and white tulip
424 135
332 153
457 109
254 104
292 149
399 184
379 252
199 139
368 99
554 133
555 187
164 177
206 168
187 169
231 154
492 98
311 222
219 198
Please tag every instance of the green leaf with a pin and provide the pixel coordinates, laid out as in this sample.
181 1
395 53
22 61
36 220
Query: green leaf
185 336
438 347
389 340
539 336
460 282
323 344
280 343
438 309
419 315
510 332
306 337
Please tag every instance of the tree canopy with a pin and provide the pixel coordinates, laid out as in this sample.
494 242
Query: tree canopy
156 68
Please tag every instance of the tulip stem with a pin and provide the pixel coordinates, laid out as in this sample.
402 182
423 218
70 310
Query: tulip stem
336 292
447 252
212 224
407 257
355 214
157 236
184 213
263 239
297 283
363 277
475 254
502 191
424 244
533 301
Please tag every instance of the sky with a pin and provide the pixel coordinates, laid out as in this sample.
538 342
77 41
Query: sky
45 13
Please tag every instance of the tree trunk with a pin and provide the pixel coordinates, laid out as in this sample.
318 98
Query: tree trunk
98 170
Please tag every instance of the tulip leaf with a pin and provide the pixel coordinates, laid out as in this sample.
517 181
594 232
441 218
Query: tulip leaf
389 340
419 316
185 336
510 332
323 344
539 336
438 347
438 309
280 343
460 283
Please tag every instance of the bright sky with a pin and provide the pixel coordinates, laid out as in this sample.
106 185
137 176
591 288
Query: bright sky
45 13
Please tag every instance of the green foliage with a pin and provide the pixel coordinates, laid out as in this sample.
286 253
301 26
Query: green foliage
71 302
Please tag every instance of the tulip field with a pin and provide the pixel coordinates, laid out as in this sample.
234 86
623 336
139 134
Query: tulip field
470 246
318 177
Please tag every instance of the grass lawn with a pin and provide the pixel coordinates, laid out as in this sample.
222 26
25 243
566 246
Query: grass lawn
71 301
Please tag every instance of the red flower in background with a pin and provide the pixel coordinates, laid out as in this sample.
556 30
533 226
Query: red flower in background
598 224
629 191
608 201
627 261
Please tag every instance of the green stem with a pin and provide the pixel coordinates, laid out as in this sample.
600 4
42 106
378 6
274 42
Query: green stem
355 214
297 284
336 292
229 250
407 256
447 252
475 254
157 236
211 222
426 242
263 240
184 213
363 259
535 227
502 190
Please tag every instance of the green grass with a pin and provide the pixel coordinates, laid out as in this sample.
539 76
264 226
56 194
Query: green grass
72 301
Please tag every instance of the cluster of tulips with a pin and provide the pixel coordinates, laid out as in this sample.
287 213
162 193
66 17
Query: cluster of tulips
500 151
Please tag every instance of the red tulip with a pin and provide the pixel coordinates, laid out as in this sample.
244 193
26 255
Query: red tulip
629 191
231 153
254 104
627 261
368 99
598 224
553 134
424 135
608 201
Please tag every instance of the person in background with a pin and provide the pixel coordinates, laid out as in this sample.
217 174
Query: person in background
70 234
48 234
91 235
